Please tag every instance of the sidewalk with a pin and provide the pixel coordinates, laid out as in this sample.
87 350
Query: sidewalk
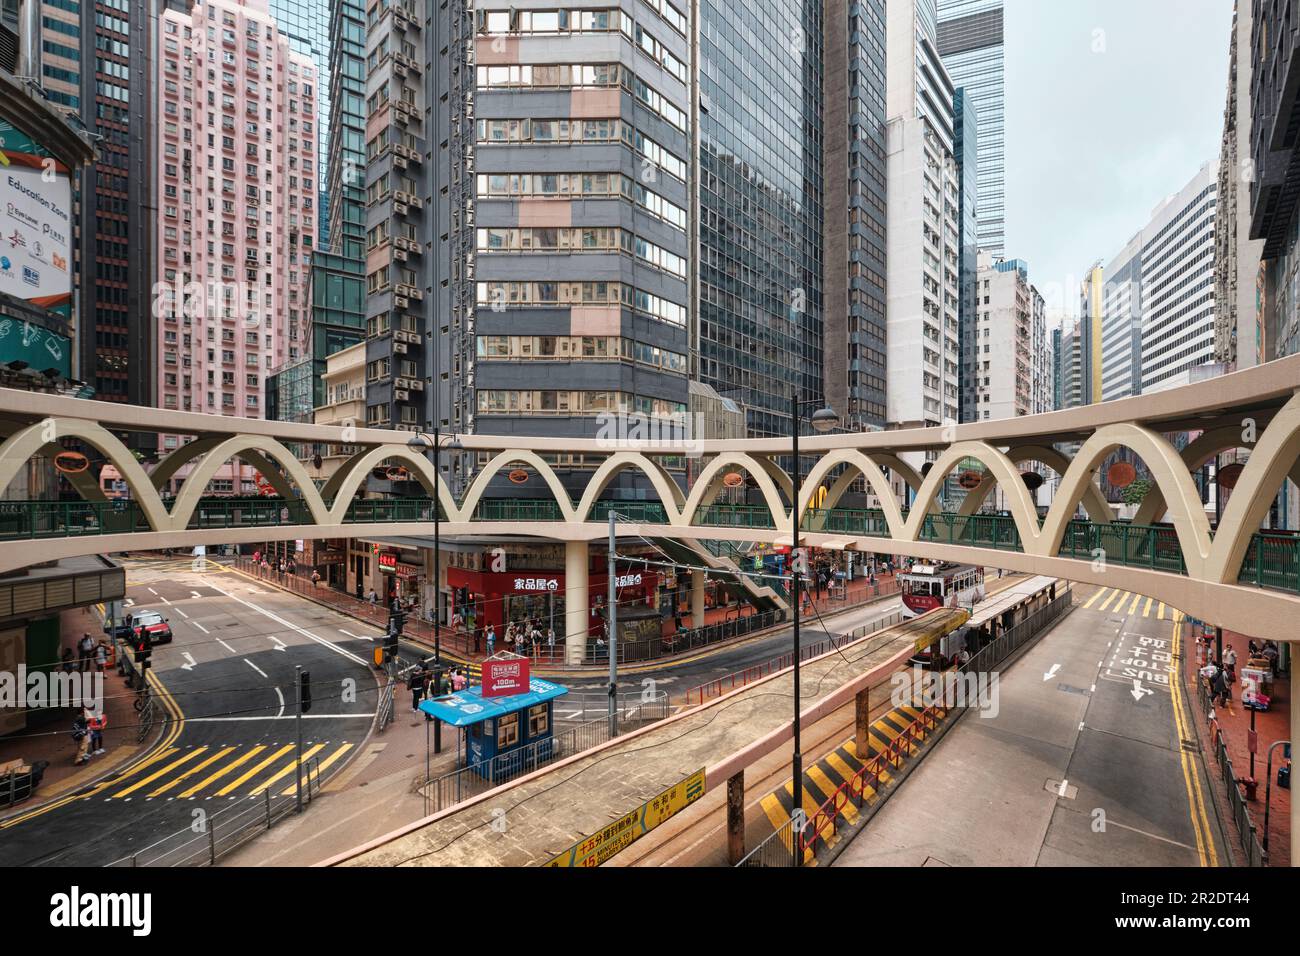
51 740
1234 722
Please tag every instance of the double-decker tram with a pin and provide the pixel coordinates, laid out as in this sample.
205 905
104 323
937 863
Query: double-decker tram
928 586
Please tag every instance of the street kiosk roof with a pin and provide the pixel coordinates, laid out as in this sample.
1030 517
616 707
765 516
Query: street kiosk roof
469 706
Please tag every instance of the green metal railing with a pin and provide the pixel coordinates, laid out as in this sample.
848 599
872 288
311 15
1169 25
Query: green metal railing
1272 559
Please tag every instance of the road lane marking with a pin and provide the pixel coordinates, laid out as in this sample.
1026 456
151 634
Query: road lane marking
1091 600
1162 610
1146 611
287 769
154 776
294 627
181 612
280 696
265 763
320 768
1106 603
1133 607
222 772
1195 802
225 645
255 667
206 631
197 768
190 662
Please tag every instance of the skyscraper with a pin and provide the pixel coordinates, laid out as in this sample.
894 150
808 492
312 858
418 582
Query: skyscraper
965 147
970 40
924 254
307 25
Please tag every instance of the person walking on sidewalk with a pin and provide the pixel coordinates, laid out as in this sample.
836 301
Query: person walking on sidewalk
416 683
491 639
96 725
85 652
1230 663
550 642
81 734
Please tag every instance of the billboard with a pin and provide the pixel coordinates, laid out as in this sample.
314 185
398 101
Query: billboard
35 229
505 678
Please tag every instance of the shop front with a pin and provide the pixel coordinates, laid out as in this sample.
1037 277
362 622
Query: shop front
496 598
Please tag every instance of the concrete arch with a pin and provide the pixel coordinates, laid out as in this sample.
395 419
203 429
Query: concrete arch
703 491
1166 467
1022 508
1094 502
479 485
1273 457
182 456
669 493
783 482
359 466
19 448
329 491
249 449
858 464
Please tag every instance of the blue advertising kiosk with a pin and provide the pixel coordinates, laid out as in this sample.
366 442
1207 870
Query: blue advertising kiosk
501 735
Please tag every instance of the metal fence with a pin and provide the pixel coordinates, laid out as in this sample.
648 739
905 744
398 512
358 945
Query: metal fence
777 850
227 829
146 709
1255 853
641 706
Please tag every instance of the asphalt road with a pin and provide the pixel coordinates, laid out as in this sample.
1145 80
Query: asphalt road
231 672
1087 760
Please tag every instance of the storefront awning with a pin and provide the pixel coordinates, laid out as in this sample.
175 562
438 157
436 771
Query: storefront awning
469 706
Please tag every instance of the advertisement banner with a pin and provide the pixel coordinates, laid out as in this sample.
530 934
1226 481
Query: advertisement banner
35 229
506 677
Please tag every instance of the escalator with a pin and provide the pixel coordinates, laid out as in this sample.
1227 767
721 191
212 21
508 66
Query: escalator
725 557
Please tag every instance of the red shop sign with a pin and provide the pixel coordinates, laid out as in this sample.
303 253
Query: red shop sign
506 677
387 560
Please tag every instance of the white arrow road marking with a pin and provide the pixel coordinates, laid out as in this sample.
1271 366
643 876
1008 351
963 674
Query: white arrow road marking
280 695
1051 673
127 602
289 624
279 644
1139 691
190 662
1060 791
195 594
254 667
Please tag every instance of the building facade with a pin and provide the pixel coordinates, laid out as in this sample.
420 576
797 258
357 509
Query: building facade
237 172
1007 374
924 198
965 148
970 40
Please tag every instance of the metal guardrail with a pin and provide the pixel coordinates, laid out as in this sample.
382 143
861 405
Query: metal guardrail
146 708
227 829
635 706
777 850
1248 833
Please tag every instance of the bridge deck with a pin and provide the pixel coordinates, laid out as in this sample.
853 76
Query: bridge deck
550 810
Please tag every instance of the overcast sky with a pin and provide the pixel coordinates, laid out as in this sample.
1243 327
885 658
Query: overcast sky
1112 105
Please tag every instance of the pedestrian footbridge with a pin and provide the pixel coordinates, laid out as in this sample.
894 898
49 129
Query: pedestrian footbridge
1237 574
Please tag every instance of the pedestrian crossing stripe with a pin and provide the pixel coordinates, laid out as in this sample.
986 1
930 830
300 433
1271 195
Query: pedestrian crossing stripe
823 778
1092 600
1106 603
1133 607
1146 611
188 773
320 768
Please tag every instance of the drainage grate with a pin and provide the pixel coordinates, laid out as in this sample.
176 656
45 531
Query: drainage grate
1069 689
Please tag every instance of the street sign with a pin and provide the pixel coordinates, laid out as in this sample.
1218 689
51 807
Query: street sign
622 833
505 678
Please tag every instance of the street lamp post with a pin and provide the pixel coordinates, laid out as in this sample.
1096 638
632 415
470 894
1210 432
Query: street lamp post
823 420
433 446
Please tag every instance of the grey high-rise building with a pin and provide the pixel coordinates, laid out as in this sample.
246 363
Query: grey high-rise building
971 44
965 147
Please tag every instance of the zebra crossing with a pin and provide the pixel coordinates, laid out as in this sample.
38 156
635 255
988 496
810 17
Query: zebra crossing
207 772
1130 603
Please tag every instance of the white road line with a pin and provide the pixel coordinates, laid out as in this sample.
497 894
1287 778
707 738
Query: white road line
280 695
152 591
294 627
255 667
206 631
165 601
225 645
355 637
213 720
184 615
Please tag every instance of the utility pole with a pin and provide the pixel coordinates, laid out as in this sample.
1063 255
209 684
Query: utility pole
796 770
612 619
297 720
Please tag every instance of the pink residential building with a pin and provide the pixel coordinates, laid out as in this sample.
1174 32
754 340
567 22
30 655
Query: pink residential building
237 181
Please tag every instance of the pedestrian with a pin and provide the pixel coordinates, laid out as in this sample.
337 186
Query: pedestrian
86 649
101 655
1230 664
415 683
96 725
257 556
1220 689
491 639
81 734
550 642
458 680
315 577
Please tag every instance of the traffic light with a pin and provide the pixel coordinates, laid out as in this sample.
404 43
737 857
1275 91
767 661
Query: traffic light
143 651
396 619
390 647
304 690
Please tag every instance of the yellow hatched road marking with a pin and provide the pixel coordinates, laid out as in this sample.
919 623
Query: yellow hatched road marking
288 769
776 814
190 772
1146 611
321 768
265 763
828 787
1161 615
1133 607
1106 603
841 765
154 776
1096 594
223 771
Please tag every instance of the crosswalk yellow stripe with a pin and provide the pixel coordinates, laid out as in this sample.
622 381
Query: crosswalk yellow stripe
320 768
1162 611
154 776
265 763
190 772
213 778
287 769
1133 607
1106 603
829 787
841 765
1146 611
1098 593
776 814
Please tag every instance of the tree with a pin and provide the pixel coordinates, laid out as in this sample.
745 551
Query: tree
1135 492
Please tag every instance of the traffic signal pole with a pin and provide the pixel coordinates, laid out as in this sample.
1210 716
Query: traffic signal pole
297 720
